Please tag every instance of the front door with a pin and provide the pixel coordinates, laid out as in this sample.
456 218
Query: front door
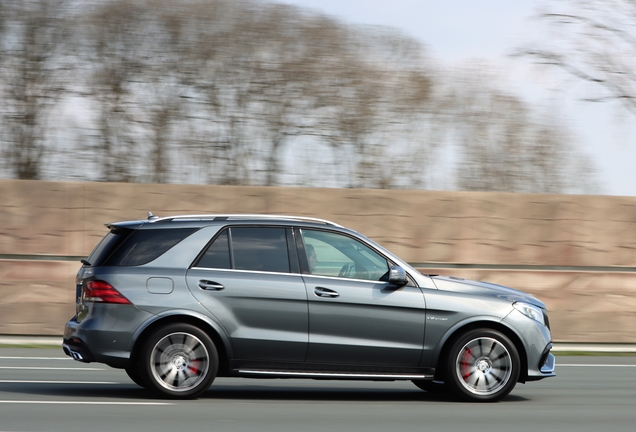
354 315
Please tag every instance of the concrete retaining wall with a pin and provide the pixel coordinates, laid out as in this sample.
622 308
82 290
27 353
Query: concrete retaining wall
577 253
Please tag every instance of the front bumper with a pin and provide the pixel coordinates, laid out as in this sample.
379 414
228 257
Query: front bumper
537 343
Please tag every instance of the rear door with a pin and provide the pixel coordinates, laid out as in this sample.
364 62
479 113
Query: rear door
248 279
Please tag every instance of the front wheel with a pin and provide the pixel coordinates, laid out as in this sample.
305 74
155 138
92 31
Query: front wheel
430 386
483 365
179 361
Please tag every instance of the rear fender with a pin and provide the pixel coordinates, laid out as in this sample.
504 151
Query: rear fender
214 329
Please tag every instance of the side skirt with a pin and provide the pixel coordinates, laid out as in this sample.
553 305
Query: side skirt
329 375
255 369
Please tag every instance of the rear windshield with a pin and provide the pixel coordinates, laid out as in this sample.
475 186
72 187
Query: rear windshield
134 248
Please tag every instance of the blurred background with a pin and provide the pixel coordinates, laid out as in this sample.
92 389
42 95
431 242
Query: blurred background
370 113
260 93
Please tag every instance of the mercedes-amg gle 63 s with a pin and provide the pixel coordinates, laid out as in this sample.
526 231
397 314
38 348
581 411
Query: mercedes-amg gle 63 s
177 301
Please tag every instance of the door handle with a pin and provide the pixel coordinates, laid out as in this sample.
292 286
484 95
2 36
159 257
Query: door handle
210 286
325 292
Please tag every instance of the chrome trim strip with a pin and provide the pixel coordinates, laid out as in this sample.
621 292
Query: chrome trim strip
335 374
373 282
344 278
246 271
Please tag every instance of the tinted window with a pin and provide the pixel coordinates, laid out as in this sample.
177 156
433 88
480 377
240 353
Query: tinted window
107 245
262 249
218 254
143 246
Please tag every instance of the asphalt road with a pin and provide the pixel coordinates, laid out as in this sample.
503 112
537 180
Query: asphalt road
42 390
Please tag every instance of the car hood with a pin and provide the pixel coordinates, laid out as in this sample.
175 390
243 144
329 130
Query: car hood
450 283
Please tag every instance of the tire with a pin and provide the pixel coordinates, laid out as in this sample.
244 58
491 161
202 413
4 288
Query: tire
178 361
430 386
483 365
134 374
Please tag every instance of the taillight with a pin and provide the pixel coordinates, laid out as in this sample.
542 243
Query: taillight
103 292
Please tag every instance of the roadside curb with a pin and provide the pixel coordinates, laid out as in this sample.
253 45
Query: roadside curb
40 341
56 342
593 347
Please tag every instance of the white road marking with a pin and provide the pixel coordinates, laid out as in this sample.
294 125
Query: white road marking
595 365
81 402
56 382
34 358
51 368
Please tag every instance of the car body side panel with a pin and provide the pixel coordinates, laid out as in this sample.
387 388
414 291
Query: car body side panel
264 314
367 323
448 311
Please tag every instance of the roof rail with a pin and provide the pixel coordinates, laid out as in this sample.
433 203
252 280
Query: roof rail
156 219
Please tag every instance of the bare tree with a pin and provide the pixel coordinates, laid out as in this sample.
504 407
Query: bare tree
31 71
593 41
505 147
374 92
248 92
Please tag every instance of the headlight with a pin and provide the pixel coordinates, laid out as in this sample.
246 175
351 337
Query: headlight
530 311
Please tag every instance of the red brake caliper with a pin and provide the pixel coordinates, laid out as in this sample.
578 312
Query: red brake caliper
465 363
194 367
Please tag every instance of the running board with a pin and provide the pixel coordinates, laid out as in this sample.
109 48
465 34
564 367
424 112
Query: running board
331 375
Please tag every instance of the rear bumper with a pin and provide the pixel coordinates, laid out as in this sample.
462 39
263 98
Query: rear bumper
77 350
103 336
93 346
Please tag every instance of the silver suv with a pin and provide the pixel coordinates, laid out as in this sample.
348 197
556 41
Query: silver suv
177 301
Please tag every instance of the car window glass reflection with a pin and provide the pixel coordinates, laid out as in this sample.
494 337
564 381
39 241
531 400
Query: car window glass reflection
330 254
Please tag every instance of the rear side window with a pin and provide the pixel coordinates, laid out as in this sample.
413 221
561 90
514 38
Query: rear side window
143 246
252 248
107 245
218 254
261 249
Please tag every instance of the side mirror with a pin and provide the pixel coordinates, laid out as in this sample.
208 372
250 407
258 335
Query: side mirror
397 276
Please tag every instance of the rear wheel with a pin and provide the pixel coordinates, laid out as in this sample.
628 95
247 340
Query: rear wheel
483 365
134 374
179 361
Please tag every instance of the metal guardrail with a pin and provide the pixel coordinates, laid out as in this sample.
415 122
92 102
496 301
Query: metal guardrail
56 342
417 265
530 267
39 257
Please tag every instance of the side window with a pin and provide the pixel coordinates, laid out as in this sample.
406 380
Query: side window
252 248
143 246
218 254
331 254
261 249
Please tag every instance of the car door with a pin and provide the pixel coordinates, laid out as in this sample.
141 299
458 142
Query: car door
249 281
354 315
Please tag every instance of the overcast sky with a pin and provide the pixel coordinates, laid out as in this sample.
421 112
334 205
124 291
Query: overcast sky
460 31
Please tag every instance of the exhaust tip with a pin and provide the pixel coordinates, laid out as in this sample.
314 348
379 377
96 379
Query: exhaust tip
76 355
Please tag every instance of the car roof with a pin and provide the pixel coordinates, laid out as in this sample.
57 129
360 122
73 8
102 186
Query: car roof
201 220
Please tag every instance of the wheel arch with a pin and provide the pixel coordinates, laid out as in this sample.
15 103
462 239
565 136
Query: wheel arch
212 329
454 333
